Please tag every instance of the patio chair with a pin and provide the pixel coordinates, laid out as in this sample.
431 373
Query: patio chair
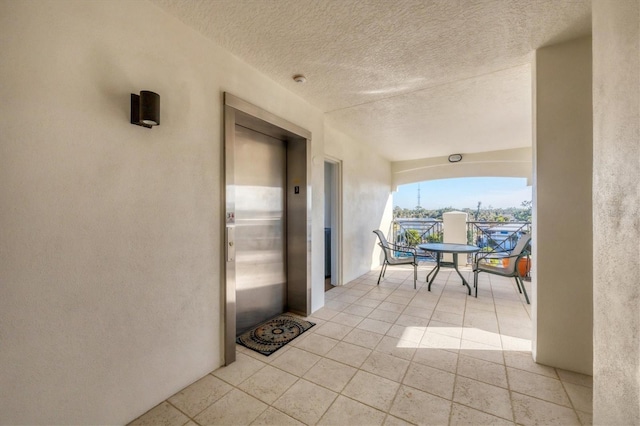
481 264
396 255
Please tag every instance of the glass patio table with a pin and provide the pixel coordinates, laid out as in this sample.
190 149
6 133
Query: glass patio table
455 249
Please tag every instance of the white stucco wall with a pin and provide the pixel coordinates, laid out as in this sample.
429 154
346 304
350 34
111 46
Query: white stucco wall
616 212
562 227
366 192
110 289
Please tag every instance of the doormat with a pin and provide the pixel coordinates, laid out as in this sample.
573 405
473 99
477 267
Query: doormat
271 335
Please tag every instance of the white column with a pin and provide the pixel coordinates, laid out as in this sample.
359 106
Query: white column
562 296
455 231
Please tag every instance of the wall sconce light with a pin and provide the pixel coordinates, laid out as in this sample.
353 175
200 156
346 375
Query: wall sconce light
454 158
145 109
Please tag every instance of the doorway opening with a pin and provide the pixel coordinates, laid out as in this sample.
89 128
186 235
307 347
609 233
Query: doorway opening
332 222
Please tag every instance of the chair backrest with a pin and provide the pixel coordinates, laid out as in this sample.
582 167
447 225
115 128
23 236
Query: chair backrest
517 250
521 245
384 244
381 237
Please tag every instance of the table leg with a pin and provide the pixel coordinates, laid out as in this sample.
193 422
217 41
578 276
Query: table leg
455 265
435 270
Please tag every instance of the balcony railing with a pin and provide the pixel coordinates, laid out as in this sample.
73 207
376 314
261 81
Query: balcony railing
489 236
496 236
409 232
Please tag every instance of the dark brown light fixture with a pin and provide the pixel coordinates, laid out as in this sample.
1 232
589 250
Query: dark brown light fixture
145 109
454 158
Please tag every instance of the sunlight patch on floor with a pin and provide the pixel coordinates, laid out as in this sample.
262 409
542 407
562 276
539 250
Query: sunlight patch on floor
451 337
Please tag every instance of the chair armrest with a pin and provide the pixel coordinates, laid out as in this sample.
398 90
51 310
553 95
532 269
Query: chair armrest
488 256
397 247
485 256
412 253
421 252
394 247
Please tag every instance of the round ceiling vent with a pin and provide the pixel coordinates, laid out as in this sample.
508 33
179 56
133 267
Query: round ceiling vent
299 78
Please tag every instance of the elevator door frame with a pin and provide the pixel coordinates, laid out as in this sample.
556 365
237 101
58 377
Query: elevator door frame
297 209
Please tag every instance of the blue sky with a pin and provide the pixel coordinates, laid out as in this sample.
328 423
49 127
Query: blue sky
464 192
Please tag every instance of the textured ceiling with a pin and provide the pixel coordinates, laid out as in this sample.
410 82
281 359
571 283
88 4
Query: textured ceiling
413 79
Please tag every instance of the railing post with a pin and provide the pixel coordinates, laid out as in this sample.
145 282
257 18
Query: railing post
455 231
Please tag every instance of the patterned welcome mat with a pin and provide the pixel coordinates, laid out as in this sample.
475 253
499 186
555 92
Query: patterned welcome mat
271 335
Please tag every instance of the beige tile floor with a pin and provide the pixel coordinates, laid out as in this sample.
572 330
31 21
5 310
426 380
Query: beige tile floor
393 355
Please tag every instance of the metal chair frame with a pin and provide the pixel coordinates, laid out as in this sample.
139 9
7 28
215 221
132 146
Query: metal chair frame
519 251
389 259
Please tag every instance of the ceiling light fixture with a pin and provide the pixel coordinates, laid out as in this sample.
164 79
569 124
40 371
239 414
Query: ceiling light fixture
454 158
299 78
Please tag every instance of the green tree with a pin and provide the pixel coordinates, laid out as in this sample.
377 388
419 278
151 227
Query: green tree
524 214
436 237
412 237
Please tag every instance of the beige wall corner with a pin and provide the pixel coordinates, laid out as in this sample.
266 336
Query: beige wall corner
616 212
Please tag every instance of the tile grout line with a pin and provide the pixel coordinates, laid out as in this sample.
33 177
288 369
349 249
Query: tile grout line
504 360
400 383
360 369
188 416
575 411
455 378
455 375
397 290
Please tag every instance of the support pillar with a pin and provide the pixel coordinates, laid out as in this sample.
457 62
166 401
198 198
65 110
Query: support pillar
562 275
454 226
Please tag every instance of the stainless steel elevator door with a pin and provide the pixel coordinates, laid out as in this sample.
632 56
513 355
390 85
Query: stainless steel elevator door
261 279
